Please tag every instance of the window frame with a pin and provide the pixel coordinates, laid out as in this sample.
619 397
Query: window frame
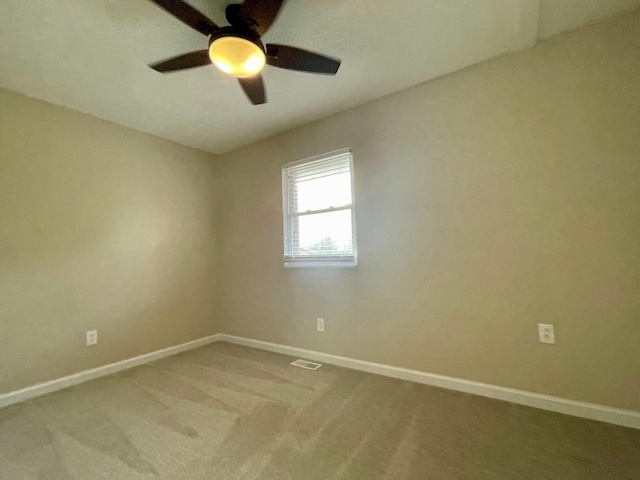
320 260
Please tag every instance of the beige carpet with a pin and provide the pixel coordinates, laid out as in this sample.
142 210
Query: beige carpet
228 412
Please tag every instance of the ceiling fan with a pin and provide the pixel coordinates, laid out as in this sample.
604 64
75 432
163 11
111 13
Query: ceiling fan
237 49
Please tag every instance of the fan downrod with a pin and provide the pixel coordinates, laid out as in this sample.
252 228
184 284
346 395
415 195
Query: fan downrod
234 15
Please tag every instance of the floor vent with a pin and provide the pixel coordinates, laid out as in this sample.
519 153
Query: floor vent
306 364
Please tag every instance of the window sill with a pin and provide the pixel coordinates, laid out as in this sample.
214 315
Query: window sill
321 263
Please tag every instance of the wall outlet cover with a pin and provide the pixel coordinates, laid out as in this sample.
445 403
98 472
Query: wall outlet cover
546 333
92 337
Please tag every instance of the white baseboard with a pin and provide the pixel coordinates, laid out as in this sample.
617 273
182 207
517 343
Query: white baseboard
592 411
625 418
86 375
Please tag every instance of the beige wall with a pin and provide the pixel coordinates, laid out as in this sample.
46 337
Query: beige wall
490 200
101 227
487 201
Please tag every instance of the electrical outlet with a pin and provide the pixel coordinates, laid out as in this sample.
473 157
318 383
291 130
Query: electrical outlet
320 324
546 333
92 337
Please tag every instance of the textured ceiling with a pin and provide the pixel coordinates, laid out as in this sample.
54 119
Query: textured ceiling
91 56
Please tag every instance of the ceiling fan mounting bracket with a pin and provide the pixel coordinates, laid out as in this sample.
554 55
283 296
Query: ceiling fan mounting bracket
235 17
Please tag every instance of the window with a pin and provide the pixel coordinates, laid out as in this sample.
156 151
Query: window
319 215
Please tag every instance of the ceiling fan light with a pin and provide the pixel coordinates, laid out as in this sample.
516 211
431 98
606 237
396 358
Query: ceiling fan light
237 56
224 66
255 63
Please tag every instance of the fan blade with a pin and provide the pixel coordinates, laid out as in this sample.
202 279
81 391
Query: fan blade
254 88
182 62
262 12
189 15
293 58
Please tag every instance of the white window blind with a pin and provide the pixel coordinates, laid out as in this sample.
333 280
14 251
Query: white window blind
319 214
